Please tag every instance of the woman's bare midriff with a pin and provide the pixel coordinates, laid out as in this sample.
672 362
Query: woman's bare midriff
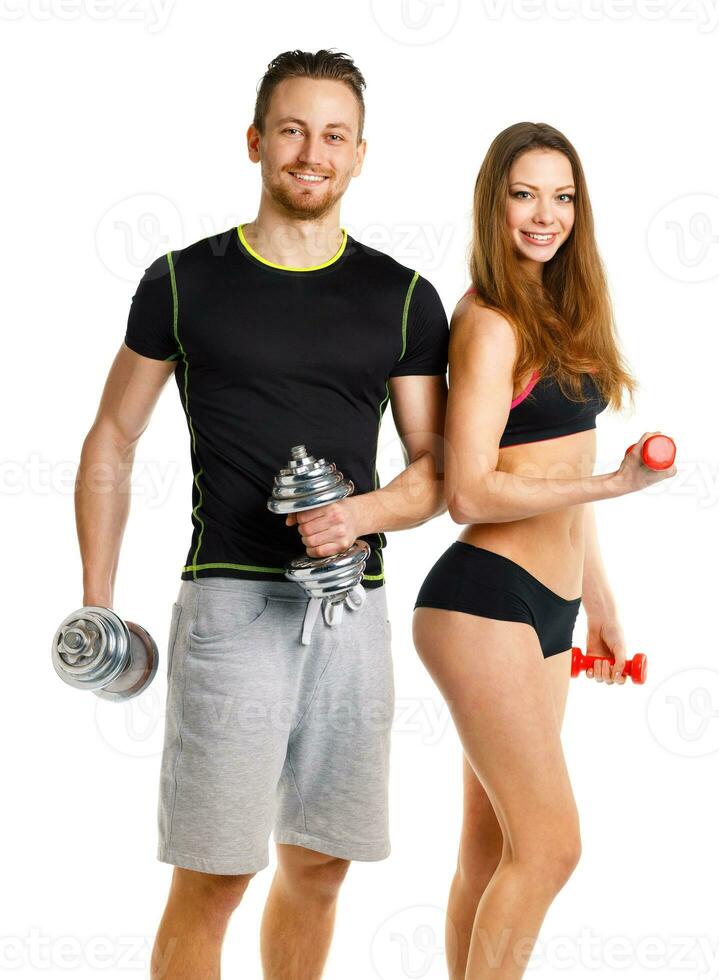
550 546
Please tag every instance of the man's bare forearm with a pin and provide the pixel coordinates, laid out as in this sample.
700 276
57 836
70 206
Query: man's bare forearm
414 496
102 505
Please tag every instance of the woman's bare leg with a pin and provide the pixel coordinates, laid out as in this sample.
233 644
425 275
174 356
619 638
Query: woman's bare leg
480 848
481 841
503 701
559 670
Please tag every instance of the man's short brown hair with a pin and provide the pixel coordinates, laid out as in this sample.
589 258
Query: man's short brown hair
325 63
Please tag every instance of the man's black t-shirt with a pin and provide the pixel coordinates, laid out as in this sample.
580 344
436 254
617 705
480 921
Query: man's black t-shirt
270 357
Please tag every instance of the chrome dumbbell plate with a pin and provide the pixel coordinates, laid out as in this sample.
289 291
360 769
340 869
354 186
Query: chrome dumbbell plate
94 650
305 483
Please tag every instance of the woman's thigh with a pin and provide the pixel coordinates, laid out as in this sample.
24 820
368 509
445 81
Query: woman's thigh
481 833
559 670
503 700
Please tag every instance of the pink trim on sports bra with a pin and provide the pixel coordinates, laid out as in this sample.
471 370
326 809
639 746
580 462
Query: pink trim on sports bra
523 394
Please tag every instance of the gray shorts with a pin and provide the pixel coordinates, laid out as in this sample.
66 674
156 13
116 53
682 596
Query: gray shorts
263 732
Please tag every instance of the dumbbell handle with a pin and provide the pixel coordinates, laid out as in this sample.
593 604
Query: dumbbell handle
658 452
636 667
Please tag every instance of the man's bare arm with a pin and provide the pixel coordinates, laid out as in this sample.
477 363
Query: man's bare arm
102 486
417 493
413 497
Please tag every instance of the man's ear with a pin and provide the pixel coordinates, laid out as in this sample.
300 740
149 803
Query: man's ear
253 143
361 151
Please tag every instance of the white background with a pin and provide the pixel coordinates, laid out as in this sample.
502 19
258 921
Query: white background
125 137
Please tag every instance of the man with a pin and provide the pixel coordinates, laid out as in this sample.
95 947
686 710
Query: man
285 331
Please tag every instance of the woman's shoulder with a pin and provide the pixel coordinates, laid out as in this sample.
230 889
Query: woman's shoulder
470 309
477 324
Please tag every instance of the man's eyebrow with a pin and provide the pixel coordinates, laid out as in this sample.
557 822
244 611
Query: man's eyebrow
533 188
301 122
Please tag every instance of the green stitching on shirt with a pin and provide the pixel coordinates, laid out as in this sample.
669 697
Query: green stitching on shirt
227 564
383 405
175 317
255 568
405 313
382 538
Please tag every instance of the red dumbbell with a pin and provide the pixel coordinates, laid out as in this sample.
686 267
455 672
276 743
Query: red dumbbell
636 667
658 452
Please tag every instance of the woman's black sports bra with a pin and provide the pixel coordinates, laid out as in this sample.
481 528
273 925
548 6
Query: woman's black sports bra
549 414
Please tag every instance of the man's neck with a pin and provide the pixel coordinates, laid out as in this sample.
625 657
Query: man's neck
294 242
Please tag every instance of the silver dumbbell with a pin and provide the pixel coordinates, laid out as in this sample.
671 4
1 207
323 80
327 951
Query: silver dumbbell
94 650
306 483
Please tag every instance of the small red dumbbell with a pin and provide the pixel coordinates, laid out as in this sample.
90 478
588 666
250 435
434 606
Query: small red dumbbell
658 452
636 667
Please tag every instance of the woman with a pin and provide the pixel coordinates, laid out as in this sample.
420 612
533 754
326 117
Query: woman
533 360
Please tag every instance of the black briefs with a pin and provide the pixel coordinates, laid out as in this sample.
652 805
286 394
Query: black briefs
474 580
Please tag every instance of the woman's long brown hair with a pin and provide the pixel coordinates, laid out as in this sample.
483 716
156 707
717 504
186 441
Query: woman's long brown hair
564 324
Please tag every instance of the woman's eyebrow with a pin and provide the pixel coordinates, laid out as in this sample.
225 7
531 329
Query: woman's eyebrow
533 188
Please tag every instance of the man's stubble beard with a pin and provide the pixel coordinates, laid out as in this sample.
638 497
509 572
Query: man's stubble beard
289 205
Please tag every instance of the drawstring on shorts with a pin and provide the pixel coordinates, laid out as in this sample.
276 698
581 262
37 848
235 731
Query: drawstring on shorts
331 611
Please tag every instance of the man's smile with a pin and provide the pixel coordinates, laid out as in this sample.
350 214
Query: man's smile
307 178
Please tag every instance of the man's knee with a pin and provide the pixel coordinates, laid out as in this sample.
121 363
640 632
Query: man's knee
216 894
312 872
